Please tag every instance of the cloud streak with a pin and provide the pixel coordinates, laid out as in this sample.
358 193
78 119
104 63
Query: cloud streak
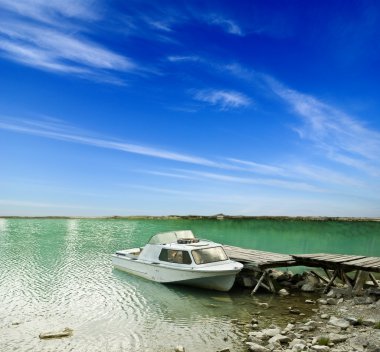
43 43
288 177
224 99
227 25
56 131
201 175
341 137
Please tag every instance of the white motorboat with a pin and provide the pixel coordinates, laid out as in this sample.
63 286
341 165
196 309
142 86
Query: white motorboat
180 258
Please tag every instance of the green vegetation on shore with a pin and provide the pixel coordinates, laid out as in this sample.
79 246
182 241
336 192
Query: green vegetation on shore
200 217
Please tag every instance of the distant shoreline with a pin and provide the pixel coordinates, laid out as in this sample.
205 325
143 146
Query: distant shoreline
201 217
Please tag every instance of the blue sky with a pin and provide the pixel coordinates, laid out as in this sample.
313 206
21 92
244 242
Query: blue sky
171 107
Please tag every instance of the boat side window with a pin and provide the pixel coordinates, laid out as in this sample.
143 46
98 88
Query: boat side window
175 256
209 255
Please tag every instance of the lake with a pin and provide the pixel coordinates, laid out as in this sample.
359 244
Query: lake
57 273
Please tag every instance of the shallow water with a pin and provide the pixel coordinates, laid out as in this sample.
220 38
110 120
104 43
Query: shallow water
57 273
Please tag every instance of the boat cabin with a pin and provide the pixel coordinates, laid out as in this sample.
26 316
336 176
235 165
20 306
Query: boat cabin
180 247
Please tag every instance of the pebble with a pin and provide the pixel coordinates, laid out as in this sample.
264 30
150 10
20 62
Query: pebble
263 305
331 301
283 292
179 348
309 301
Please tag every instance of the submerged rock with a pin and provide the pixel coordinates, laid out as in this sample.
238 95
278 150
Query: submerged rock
56 334
179 348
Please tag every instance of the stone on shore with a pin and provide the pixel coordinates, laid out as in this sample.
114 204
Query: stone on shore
339 322
279 338
308 287
336 338
320 348
179 348
254 347
56 334
331 301
271 332
283 292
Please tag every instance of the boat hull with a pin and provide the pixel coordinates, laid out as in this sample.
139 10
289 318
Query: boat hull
220 278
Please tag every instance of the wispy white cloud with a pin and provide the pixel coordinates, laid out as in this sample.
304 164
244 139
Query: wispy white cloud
48 11
49 48
224 99
294 177
46 44
342 138
178 58
297 171
259 168
63 133
204 197
294 185
33 204
228 25
160 25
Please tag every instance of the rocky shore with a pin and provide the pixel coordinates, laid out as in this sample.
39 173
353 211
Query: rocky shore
341 323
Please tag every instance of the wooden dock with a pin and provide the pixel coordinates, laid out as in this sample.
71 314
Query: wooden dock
260 263
340 264
261 260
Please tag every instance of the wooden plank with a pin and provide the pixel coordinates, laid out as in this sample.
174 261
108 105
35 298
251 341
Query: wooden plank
328 257
366 261
255 259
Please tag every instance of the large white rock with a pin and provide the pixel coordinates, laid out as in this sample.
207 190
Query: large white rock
279 338
320 348
254 347
336 338
271 332
339 322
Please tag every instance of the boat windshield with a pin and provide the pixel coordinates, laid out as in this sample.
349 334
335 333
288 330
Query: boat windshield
209 255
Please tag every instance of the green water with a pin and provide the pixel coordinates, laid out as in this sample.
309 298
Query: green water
57 273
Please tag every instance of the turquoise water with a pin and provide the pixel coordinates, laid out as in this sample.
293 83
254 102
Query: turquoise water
57 273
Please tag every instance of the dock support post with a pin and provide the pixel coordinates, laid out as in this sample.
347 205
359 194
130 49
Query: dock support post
259 283
327 273
331 280
268 285
360 281
319 276
346 279
373 280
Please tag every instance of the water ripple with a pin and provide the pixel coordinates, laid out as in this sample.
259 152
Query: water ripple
58 273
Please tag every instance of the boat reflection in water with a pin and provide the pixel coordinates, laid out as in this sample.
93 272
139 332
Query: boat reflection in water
179 258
